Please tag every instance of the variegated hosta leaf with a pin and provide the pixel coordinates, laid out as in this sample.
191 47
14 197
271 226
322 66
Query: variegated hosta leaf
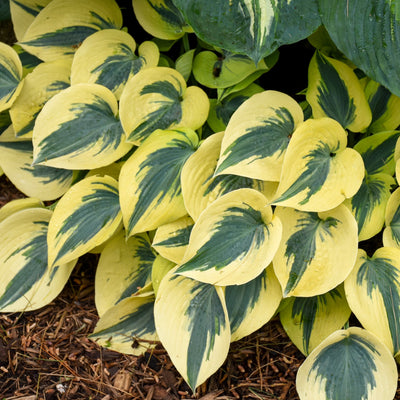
252 304
40 181
171 239
199 185
367 32
16 205
391 233
385 107
193 326
157 98
10 76
79 129
29 61
310 320
378 151
45 81
221 110
160 18
108 58
350 364
86 216
225 70
334 91
23 12
60 28
253 28
150 184
27 281
257 136
128 327
125 265
373 292
319 172
161 266
233 241
368 205
317 250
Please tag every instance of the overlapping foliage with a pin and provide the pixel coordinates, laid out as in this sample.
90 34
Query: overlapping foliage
214 202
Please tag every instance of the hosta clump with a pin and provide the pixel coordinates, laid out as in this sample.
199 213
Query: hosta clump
213 202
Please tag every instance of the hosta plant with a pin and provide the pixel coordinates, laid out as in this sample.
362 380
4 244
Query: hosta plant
214 202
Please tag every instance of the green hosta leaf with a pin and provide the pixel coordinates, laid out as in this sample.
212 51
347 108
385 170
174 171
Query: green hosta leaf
108 58
45 81
225 70
373 292
160 268
199 185
317 250
171 239
10 76
310 320
27 282
193 326
350 364
385 108
377 152
319 171
252 304
368 205
125 265
257 136
157 98
150 187
79 129
5 122
128 327
367 32
160 18
334 91
254 28
60 28
23 12
45 183
85 217
19 204
233 241
184 64
391 234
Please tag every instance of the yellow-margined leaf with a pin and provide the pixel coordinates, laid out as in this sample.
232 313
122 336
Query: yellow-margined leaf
161 266
23 12
157 98
317 250
16 205
29 61
45 81
373 292
16 158
27 281
108 58
59 29
160 18
128 327
391 233
125 265
257 136
86 216
319 172
79 129
150 184
171 239
252 304
193 326
349 364
334 91
368 205
310 320
199 185
11 82
233 241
